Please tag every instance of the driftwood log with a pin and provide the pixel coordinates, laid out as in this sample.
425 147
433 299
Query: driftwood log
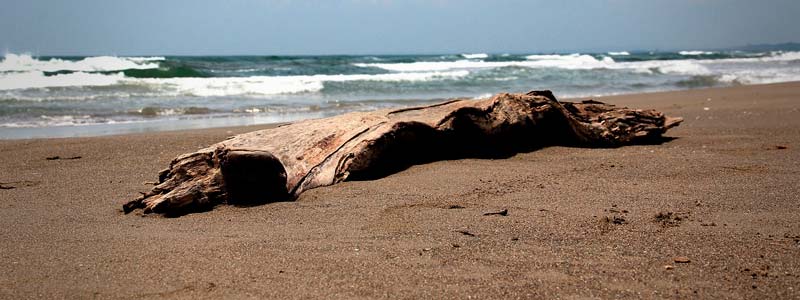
280 163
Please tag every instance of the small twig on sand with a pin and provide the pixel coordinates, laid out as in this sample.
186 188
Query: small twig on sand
501 213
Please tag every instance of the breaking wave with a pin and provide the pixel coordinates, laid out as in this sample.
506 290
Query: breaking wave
533 61
217 86
27 63
691 67
475 56
695 53
569 62
28 80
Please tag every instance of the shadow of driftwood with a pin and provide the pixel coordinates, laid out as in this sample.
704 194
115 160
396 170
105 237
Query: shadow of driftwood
419 146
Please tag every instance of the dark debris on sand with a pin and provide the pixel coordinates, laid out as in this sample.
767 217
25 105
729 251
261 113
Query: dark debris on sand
63 158
669 219
499 213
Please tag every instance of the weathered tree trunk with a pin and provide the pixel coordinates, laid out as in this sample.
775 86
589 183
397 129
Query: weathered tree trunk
280 163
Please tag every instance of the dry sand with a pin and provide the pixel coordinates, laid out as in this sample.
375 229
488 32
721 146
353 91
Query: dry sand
581 223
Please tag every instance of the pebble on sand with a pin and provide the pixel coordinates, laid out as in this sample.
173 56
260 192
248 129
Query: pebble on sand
682 260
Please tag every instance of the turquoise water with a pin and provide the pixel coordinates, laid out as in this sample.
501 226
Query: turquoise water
75 96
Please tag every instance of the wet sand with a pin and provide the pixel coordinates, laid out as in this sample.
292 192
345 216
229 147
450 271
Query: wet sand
581 223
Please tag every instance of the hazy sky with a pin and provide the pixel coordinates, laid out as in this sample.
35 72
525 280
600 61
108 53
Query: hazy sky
148 27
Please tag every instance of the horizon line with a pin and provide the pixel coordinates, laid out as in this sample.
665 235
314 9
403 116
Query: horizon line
421 53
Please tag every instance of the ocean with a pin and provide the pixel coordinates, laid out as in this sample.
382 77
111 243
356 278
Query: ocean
97 95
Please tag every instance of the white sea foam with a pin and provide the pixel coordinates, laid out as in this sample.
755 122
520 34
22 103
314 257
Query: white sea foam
552 56
678 67
620 53
569 62
25 63
760 76
217 86
27 80
68 120
776 56
475 56
773 68
227 86
424 66
273 85
782 56
573 61
695 53
53 121
144 59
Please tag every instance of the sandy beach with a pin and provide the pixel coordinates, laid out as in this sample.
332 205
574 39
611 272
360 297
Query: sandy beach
713 213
